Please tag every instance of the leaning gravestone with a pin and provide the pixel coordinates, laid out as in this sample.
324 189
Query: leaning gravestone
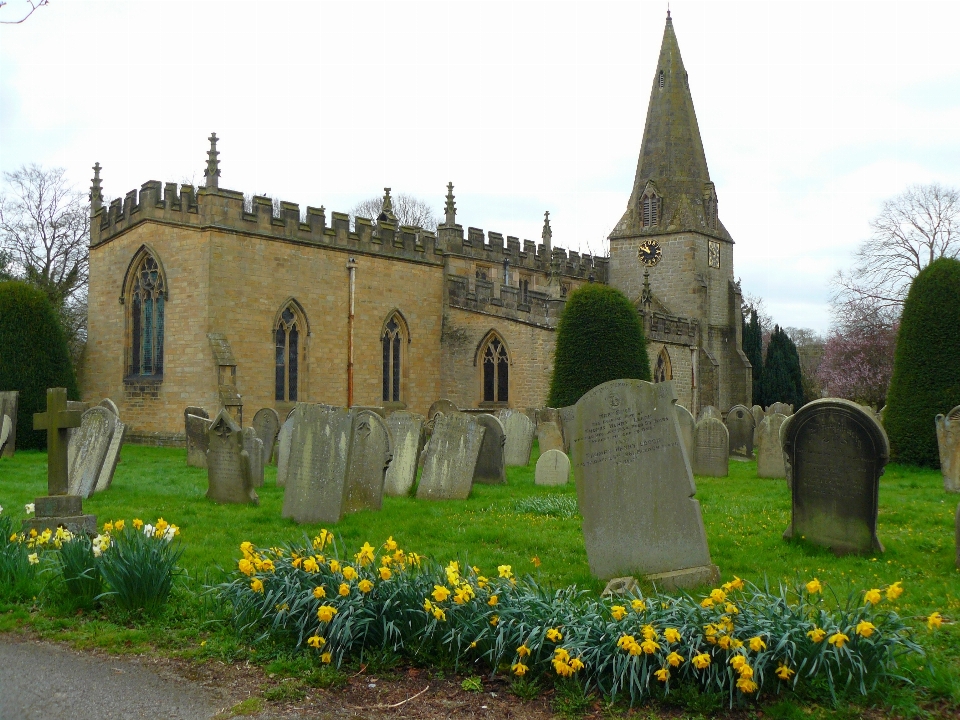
228 464
519 429
266 422
553 468
710 411
111 406
406 429
254 447
80 407
195 429
8 406
769 450
491 469
948 439
739 424
283 451
450 458
687 430
88 449
549 437
371 451
711 454
112 457
441 406
5 431
835 454
316 484
635 488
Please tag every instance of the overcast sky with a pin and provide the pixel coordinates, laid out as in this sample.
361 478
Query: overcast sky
811 113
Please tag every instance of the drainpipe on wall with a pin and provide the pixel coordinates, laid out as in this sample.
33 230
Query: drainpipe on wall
694 409
352 269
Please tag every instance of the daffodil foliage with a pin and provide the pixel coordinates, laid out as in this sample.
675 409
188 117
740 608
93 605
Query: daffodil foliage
739 639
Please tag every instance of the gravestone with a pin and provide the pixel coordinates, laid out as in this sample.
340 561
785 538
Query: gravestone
835 454
711 412
711 454
739 424
371 451
441 406
635 488
519 430
769 450
758 416
88 449
112 457
267 424
948 439
283 451
254 447
80 407
491 469
198 411
9 400
450 458
406 428
553 468
316 483
549 414
780 407
229 476
688 427
5 432
195 429
111 406
549 437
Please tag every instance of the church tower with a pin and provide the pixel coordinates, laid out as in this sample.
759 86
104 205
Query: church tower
674 258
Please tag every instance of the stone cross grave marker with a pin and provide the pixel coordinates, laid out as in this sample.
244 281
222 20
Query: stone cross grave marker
687 429
553 468
266 422
88 449
769 450
549 437
254 447
371 452
283 450
948 440
740 425
229 475
835 454
491 468
450 458
710 411
519 429
57 508
5 431
635 488
711 448
406 428
9 400
196 422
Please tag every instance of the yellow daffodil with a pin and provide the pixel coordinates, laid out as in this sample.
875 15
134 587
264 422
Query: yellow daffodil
934 621
814 587
638 605
554 635
390 544
482 581
473 644
385 573
784 672
365 556
624 641
662 674
325 613
562 668
724 642
519 669
649 647
838 639
535 560
523 651
701 661
735 584
718 595
746 685
706 602
494 620
738 661
267 566
310 565
34 560
440 614
440 593
257 585
296 561
865 629
817 635
334 566
319 592
137 523
745 671
108 527
326 657
619 612
894 591
344 590
757 644
118 524
576 664
506 571
493 600
736 644
349 573
872 596
731 609
674 659
316 642
246 567
672 635
365 586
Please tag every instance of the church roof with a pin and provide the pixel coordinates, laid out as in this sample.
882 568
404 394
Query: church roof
672 163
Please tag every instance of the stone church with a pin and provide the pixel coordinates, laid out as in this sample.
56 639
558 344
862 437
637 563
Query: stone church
198 297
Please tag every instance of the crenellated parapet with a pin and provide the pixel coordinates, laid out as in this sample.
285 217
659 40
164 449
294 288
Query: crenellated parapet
493 298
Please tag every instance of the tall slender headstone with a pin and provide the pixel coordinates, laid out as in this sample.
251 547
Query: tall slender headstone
739 422
8 406
711 448
450 458
88 450
835 454
406 428
112 457
769 450
371 452
229 475
283 450
491 469
948 440
266 422
635 487
254 447
519 429
757 412
687 430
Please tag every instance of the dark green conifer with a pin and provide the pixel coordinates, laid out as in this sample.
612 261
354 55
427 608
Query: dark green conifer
599 338
782 377
753 349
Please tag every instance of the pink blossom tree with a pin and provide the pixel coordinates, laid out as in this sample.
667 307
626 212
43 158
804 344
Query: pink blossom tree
858 359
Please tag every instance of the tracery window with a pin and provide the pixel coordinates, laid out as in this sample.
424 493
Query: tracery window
392 342
288 334
664 369
496 371
147 296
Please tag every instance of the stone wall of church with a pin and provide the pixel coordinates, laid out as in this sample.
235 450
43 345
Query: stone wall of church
680 367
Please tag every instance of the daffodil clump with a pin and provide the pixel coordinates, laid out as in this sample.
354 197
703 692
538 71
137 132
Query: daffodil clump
738 639
19 556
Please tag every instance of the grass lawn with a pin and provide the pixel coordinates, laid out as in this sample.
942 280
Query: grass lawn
744 517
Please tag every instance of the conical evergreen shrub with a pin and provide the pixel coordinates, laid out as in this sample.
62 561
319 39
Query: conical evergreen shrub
599 338
926 364
782 376
753 349
33 356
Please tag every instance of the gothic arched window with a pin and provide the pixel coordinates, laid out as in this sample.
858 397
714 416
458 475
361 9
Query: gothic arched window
147 291
664 369
650 209
496 370
288 333
391 340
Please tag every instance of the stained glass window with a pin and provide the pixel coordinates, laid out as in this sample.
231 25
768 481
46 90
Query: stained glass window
496 372
392 341
147 307
287 335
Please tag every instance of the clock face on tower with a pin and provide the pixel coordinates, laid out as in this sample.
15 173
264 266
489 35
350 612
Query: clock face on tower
649 252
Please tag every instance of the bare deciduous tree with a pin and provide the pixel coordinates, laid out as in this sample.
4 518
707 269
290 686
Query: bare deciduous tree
21 13
409 210
912 230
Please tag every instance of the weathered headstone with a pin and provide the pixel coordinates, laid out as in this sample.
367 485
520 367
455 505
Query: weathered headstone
5 431
491 468
711 454
441 406
371 452
89 446
739 424
316 483
111 406
283 450
195 429
711 412
948 439
195 410
111 458
8 406
688 428
757 412
229 474
519 430
635 488
553 468
835 454
769 450
406 428
450 458
80 407
549 437
254 447
780 407
267 424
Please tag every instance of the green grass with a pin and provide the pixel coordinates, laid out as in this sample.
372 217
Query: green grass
744 517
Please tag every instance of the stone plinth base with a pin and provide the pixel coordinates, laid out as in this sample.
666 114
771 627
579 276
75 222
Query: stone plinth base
53 511
686 578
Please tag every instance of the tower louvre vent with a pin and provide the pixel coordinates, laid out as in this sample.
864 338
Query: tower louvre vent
661 79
